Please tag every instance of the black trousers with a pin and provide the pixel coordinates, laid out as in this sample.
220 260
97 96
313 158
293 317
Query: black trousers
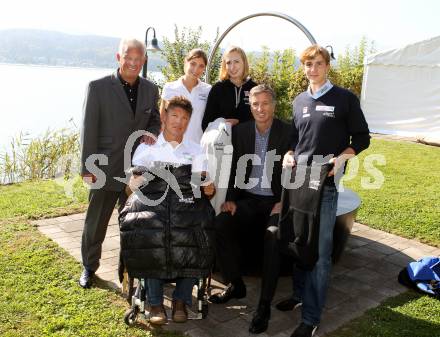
101 206
242 233
273 249
277 261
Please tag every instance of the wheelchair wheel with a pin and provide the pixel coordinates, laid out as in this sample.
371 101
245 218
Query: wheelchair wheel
130 316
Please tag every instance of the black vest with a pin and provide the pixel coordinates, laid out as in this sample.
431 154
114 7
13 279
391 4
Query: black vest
174 238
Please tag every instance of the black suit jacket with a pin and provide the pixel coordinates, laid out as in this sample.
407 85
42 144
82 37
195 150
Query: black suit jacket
243 141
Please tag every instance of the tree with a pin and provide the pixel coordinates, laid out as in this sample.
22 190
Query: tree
349 71
280 69
174 52
282 72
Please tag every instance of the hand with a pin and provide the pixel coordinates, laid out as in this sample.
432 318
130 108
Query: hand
340 160
276 208
209 190
337 163
88 178
289 160
229 206
232 121
334 169
136 181
148 139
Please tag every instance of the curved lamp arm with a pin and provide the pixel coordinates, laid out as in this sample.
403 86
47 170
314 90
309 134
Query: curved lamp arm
278 15
154 47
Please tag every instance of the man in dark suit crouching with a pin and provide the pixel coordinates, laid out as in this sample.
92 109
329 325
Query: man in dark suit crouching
254 190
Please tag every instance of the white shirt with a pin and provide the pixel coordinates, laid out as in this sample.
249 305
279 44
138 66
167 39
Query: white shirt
185 153
198 98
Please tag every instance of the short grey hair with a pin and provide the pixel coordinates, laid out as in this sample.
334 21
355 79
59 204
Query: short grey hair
129 43
263 88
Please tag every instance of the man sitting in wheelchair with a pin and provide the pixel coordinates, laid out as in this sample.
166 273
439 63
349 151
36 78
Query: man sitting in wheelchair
167 225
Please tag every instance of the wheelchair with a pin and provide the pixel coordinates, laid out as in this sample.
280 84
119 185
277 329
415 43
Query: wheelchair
137 298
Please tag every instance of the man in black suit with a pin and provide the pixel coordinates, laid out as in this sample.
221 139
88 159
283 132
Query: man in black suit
117 109
254 187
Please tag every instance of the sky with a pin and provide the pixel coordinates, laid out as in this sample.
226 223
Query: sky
389 23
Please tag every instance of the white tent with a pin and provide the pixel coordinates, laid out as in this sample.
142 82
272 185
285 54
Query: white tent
401 90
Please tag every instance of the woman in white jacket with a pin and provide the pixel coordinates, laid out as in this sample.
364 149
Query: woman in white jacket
192 88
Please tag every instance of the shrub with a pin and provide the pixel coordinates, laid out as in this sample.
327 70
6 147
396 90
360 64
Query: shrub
349 70
41 157
282 73
280 69
174 52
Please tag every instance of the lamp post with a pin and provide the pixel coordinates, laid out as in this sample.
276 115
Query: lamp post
278 15
153 47
332 55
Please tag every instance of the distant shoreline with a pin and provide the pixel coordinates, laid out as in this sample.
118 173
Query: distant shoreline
53 66
36 65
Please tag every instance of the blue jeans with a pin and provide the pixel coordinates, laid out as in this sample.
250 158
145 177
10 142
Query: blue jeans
310 287
182 292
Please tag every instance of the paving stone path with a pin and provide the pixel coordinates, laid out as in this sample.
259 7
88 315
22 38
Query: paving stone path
365 276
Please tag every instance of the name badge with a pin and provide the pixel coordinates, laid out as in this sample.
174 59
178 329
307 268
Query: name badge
325 108
329 114
305 112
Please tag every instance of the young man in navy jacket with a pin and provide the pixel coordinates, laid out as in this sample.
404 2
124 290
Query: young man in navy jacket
328 126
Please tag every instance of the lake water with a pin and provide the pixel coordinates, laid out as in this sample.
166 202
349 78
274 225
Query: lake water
35 98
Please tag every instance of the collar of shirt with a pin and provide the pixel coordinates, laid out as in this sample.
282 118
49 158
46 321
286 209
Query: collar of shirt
181 82
264 134
125 83
321 91
162 142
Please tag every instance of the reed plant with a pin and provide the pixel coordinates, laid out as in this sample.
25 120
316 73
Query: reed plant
52 154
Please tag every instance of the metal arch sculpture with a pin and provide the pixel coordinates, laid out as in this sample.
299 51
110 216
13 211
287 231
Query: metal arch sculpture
275 14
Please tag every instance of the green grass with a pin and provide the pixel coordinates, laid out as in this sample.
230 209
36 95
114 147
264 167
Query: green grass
408 203
406 315
40 199
39 294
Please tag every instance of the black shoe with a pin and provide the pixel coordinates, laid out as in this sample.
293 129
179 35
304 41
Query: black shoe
260 321
86 278
232 291
288 304
304 330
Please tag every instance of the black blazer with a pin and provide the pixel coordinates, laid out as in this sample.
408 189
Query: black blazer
243 141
